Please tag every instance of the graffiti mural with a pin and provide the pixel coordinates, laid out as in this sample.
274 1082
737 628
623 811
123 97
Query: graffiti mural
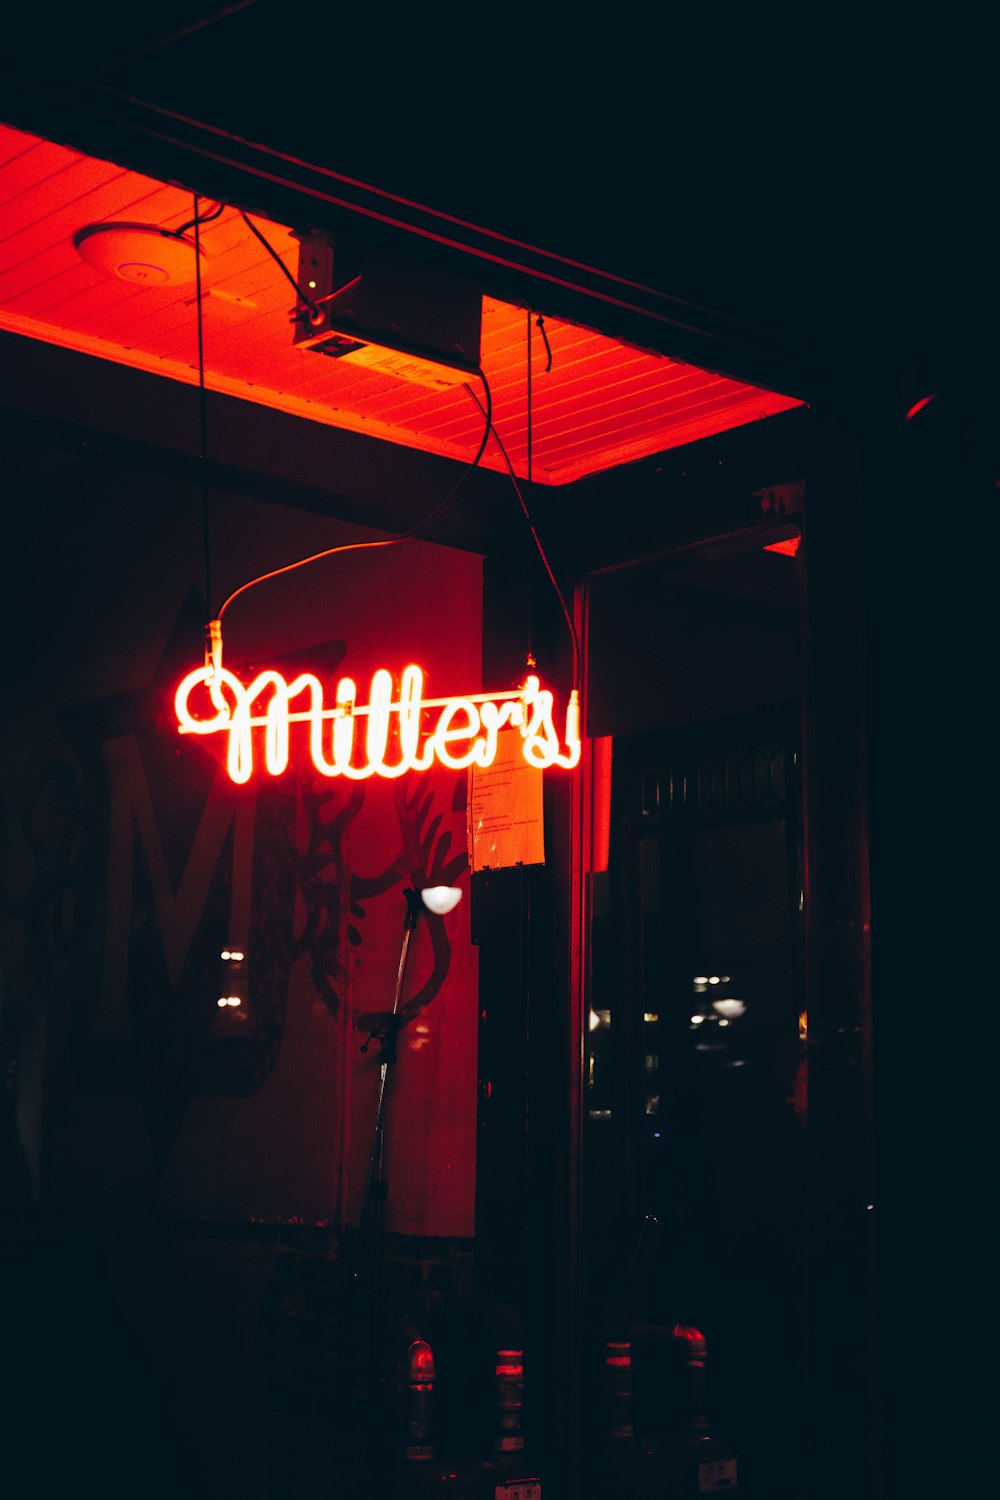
208 957
328 886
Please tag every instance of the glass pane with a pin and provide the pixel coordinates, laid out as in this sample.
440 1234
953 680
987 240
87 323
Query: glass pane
695 1074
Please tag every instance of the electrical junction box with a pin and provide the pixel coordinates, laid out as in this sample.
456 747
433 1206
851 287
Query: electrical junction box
377 311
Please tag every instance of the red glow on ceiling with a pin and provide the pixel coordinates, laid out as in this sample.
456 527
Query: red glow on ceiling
599 404
787 548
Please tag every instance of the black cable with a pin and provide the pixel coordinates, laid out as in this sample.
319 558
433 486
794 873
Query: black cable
540 321
537 540
530 470
203 455
389 541
439 510
281 264
429 520
529 400
205 219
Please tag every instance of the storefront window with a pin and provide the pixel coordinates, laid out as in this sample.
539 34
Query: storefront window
695 1084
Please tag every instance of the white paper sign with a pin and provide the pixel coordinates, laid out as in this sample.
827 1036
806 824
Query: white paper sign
506 824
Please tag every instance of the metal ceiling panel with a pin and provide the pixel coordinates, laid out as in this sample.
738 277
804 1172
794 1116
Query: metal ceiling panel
597 404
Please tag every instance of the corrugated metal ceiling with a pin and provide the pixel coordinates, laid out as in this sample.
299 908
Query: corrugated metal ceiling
601 403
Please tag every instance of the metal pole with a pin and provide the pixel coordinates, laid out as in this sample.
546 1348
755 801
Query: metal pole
375 1187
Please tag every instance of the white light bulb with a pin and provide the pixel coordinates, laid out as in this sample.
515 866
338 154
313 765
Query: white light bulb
441 899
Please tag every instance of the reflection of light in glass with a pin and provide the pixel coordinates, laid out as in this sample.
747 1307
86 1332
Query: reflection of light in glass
697 1020
420 1036
730 1008
701 979
652 1104
723 1022
650 1015
656 1135
713 979
232 997
598 1018
599 1114
652 1062
803 1026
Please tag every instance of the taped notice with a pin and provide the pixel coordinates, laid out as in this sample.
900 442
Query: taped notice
506 822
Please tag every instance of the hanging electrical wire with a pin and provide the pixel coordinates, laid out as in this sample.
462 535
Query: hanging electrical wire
215 625
302 296
540 325
389 541
216 213
538 544
197 221
200 218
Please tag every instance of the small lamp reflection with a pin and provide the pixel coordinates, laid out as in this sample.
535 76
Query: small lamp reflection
729 1009
440 899
234 1015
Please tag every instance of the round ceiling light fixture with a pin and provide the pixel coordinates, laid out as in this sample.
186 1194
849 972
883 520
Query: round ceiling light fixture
139 253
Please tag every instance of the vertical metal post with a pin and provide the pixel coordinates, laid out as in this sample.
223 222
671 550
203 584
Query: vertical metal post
375 1185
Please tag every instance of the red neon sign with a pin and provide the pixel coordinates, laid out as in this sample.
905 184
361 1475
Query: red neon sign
407 733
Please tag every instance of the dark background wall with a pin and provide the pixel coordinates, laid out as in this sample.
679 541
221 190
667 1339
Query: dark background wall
122 846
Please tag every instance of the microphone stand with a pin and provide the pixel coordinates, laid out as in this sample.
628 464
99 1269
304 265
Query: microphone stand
376 1188
439 900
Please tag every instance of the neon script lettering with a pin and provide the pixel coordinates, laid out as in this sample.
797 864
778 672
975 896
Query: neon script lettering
407 733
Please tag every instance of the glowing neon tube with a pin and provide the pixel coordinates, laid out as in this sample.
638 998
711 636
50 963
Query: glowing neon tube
408 733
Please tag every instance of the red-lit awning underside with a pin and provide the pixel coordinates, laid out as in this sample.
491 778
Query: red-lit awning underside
601 404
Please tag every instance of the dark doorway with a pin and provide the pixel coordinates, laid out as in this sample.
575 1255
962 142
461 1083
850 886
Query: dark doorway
695 1080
